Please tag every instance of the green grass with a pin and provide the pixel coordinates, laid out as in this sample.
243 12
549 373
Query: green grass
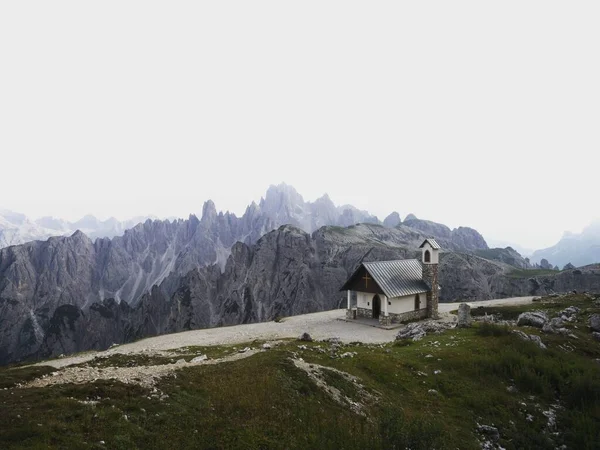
345 386
264 401
213 352
11 376
551 305
528 273
130 360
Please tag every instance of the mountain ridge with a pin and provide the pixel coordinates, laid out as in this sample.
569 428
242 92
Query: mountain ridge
578 249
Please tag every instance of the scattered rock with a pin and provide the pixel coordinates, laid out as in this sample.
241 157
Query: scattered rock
432 391
570 311
199 359
531 337
555 326
464 315
266 346
244 350
436 372
534 318
551 416
417 330
595 322
305 337
412 331
180 361
489 431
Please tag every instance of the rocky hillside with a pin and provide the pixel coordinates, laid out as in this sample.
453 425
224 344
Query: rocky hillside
506 255
577 249
462 237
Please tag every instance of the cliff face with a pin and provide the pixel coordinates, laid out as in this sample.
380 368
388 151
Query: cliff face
286 272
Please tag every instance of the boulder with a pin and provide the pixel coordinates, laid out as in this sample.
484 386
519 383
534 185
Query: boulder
464 316
199 359
412 331
432 326
595 322
305 337
489 431
548 328
533 318
570 311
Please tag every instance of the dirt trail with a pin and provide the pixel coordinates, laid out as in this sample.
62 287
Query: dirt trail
146 376
322 325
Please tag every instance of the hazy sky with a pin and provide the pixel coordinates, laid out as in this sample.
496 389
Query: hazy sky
484 114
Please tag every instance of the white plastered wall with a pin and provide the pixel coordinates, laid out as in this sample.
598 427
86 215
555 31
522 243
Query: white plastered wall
365 300
404 304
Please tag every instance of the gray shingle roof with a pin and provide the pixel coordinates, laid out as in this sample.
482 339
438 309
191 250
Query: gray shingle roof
398 278
431 242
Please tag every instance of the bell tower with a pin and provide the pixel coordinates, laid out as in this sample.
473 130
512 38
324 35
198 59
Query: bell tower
430 257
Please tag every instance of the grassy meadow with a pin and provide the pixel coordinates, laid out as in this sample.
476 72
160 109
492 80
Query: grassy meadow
429 394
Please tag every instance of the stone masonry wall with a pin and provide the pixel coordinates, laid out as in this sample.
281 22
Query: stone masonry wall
391 318
410 315
364 313
430 276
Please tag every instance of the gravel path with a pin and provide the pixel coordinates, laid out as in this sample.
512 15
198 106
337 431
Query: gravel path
322 325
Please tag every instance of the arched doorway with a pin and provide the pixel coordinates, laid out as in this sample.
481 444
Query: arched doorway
417 302
376 307
427 256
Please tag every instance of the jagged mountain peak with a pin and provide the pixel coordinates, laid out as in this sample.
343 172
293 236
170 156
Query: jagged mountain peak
393 220
324 199
209 211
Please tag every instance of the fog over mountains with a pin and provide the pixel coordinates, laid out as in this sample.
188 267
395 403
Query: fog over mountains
577 249
16 228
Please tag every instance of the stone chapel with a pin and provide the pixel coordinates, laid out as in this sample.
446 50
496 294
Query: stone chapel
396 291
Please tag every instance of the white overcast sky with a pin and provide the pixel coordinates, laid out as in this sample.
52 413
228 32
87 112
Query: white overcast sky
484 114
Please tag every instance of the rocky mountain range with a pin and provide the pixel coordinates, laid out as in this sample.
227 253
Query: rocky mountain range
283 256
45 312
577 249
39 279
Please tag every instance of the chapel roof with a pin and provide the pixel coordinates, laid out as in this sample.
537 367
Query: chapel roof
431 242
395 278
